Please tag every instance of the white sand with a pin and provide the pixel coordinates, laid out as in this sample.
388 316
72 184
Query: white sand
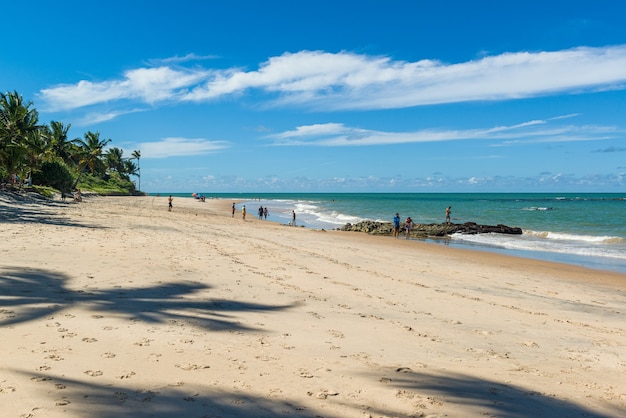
117 307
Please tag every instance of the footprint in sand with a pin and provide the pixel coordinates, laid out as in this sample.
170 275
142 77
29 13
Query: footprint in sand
89 340
62 402
40 378
93 373
126 376
121 396
189 367
324 394
336 334
107 355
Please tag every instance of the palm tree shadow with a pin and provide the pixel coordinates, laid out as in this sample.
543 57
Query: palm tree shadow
111 401
33 210
490 397
28 295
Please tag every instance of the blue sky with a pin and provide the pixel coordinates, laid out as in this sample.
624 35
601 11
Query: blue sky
322 96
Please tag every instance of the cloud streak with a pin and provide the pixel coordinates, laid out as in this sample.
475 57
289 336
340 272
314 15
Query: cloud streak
348 81
337 134
180 147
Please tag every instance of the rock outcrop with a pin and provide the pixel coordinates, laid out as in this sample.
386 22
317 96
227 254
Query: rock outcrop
431 230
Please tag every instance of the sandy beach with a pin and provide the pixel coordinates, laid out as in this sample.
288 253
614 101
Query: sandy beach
116 307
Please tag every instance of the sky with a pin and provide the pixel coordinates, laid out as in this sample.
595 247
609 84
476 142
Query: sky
331 96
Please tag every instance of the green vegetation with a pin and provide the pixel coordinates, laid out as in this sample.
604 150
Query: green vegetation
46 160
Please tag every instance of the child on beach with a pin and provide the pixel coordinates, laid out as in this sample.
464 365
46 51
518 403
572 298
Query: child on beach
408 224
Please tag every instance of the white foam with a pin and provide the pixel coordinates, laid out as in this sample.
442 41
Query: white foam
610 247
573 237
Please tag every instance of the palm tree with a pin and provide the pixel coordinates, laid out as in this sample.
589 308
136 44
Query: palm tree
17 122
37 150
137 155
62 147
129 168
91 150
115 159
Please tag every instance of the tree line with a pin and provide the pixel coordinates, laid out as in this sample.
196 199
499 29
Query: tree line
44 155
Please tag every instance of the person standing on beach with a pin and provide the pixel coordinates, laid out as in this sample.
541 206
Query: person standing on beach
233 209
396 225
293 218
408 224
265 212
448 212
169 203
243 212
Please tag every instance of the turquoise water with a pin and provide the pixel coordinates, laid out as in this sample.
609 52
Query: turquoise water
579 228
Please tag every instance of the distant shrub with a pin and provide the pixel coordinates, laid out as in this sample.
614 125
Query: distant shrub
54 174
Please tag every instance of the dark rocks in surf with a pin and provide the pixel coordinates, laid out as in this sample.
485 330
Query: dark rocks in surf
431 230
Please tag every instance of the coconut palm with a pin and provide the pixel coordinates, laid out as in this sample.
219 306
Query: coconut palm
129 168
17 122
37 150
114 158
62 147
137 155
91 149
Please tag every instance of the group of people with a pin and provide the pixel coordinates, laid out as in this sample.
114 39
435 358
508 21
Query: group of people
408 223
262 212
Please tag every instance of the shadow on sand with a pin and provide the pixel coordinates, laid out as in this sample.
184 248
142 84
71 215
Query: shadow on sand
429 394
481 397
20 208
27 295
67 396
38 293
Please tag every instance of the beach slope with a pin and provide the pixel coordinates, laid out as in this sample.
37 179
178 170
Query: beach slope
118 307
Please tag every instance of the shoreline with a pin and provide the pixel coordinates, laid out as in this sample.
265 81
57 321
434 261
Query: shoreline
115 306
606 264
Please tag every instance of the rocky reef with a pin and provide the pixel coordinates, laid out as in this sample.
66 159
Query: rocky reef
431 230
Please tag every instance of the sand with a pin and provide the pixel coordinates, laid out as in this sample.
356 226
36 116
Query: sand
116 307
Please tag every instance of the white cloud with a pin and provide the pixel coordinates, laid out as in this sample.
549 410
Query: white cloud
180 147
146 85
98 117
346 80
176 59
336 134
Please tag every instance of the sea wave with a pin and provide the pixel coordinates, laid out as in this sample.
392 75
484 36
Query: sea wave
310 213
581 245
574 237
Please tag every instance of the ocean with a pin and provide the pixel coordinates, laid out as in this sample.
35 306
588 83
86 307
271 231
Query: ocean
587 229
